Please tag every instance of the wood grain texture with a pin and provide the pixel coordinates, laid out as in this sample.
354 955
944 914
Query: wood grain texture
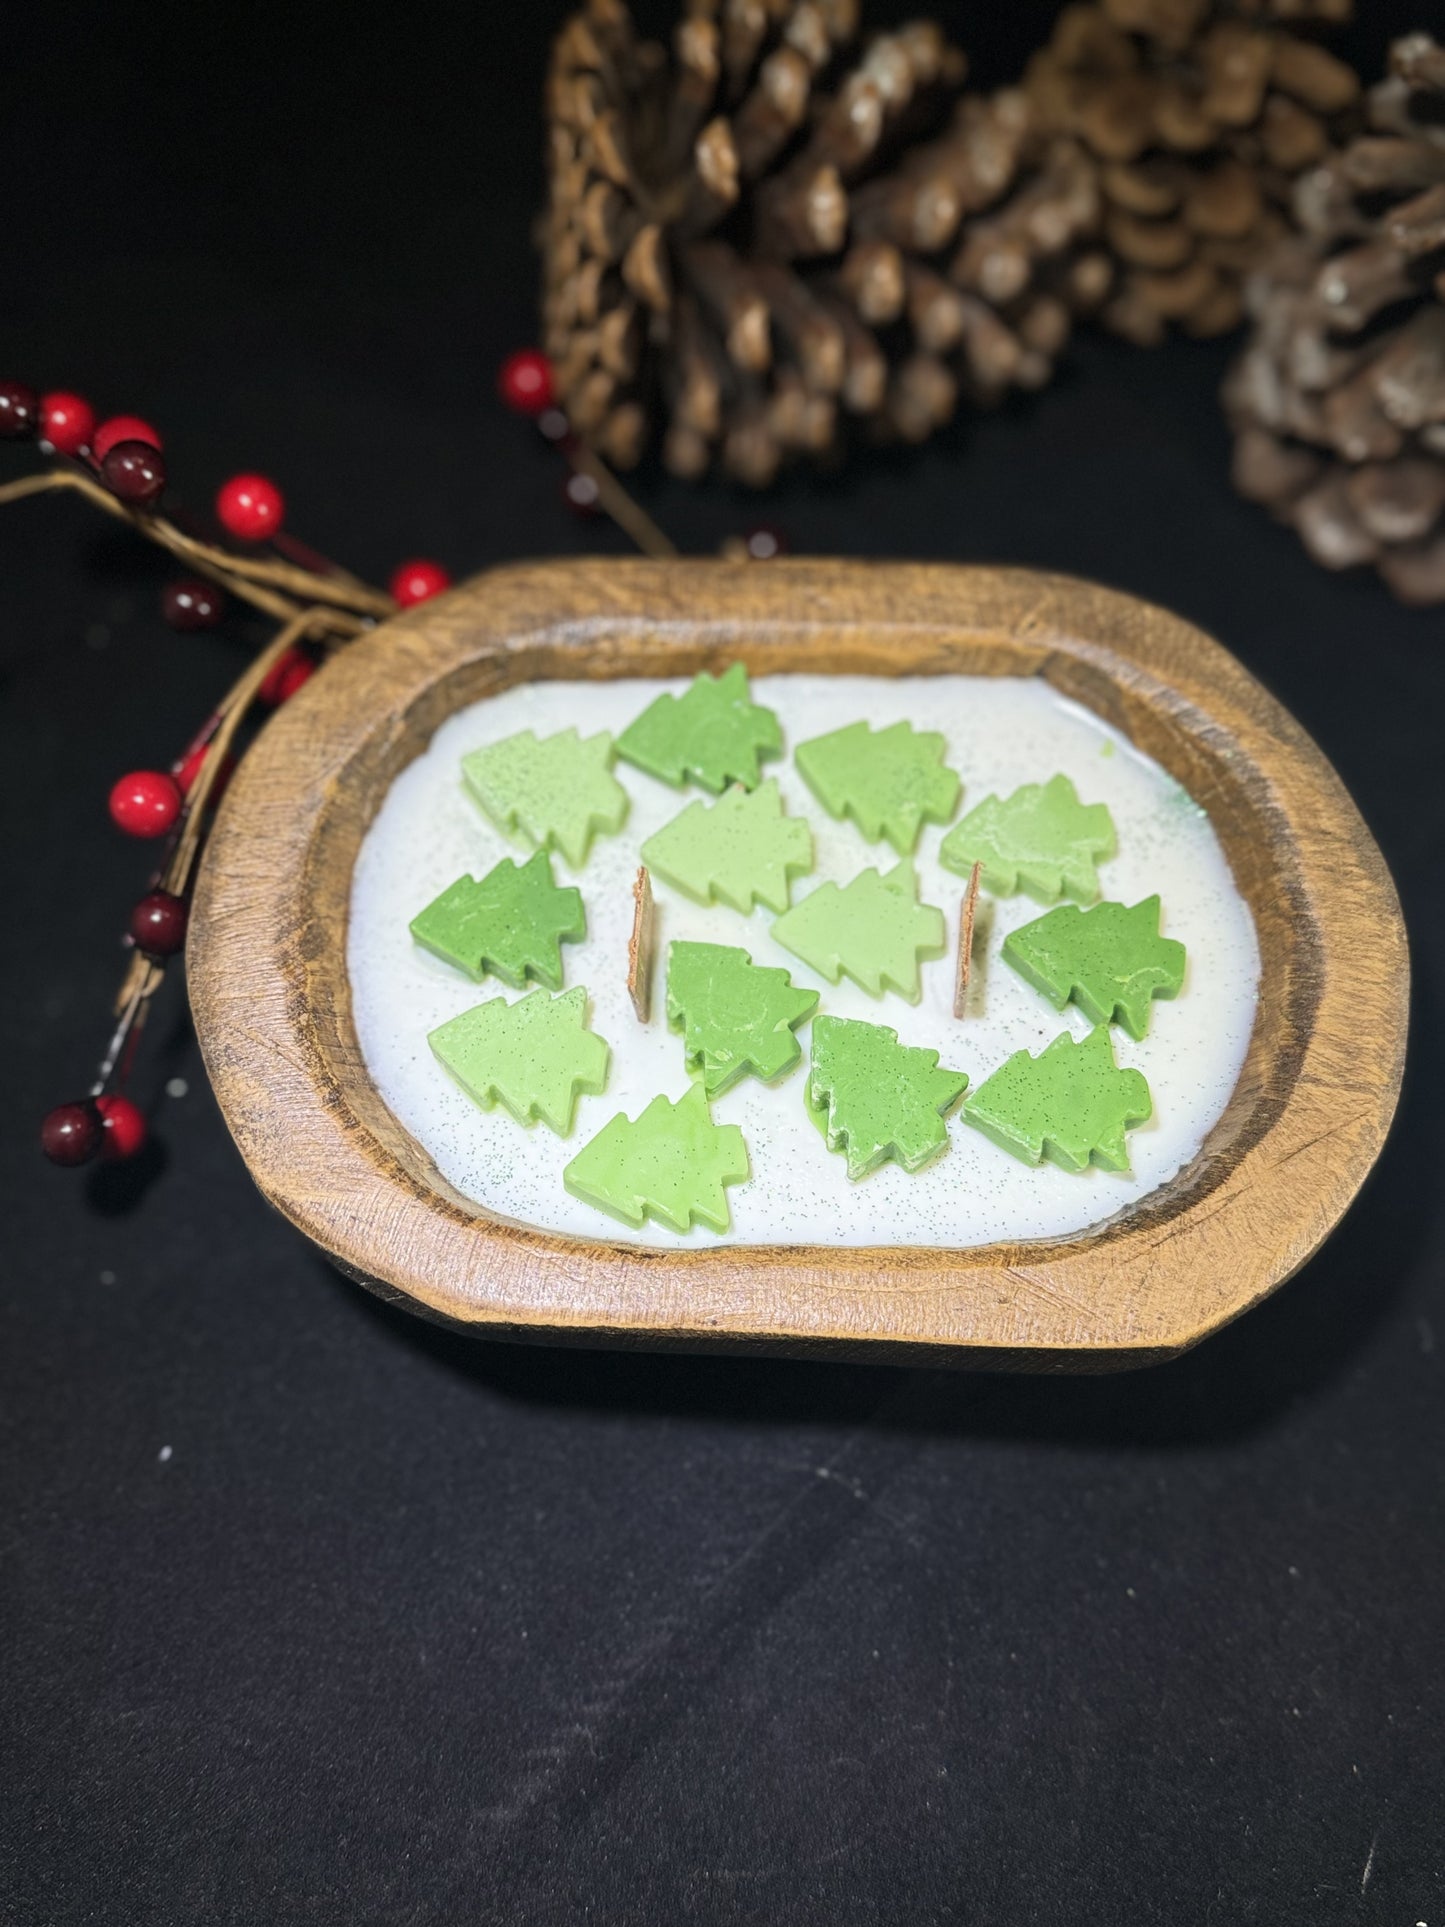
269 987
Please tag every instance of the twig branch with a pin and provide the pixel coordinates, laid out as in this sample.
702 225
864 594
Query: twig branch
270 586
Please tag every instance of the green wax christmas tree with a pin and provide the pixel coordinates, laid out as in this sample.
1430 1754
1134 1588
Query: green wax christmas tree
712 735
1110 960
737 1017
557 792
740 850
534 1056
873 930
510 925
672 1163
1072 1103
1041 839
876 1099
889 781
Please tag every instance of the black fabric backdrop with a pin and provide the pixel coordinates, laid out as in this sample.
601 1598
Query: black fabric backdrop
313 1613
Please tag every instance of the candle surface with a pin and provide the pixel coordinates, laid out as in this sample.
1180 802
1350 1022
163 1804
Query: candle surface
1001 732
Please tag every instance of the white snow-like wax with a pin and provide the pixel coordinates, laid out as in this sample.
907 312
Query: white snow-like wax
1000 732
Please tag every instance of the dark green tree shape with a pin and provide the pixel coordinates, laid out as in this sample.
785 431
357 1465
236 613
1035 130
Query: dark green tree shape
712 735
876 1099
510 925
1041 839
1111 960
888 780
534 1056
672 1163
737 1017
1072 1103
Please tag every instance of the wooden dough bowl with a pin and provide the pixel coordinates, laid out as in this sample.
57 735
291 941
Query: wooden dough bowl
269 987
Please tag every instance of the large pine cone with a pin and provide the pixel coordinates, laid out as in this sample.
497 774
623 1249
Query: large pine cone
1201 114
1338 403
762 234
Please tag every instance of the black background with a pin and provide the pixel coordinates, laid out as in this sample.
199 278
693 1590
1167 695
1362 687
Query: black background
313 1613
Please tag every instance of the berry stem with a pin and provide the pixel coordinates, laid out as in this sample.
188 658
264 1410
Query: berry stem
614 499
144 975
132 1016
253 579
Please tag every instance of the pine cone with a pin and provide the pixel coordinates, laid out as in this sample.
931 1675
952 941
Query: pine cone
760 236
1338 403
1201 114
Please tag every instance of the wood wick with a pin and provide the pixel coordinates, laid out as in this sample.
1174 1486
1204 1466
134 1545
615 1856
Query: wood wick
966 914
641 945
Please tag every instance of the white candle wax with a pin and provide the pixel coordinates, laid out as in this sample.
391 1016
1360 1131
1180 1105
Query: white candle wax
1000 732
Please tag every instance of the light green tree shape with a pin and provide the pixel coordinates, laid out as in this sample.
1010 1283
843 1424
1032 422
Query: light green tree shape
740 850
534 1056
876 1099
713 734
1041 839
1072 1104
890 781
510 925
555 791
1110 960
873 930
672 1163
736 1017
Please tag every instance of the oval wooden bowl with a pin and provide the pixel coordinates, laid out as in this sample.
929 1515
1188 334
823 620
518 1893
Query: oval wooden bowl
272 1003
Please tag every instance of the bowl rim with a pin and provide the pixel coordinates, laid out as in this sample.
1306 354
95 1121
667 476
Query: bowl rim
1310 1112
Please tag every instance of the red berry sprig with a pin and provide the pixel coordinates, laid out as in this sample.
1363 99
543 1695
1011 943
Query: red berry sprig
123 1126
158 924
71 1133
19 411
135 471
417 581
288 675
123 428
250 507
67 422
525 382
145 803
119 465
528 386
192 604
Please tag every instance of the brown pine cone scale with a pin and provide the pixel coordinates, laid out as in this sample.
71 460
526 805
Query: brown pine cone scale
1201 113
1338 402
767 232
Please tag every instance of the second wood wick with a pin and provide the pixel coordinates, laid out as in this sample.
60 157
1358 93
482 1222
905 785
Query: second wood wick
967 911
641 945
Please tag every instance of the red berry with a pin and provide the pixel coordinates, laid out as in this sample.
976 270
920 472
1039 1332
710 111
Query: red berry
135 472
250 507
19 411
158 924
525 382
285 677
66 421
418 581
71 1133
192 604
145 803
123 1126
122 428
